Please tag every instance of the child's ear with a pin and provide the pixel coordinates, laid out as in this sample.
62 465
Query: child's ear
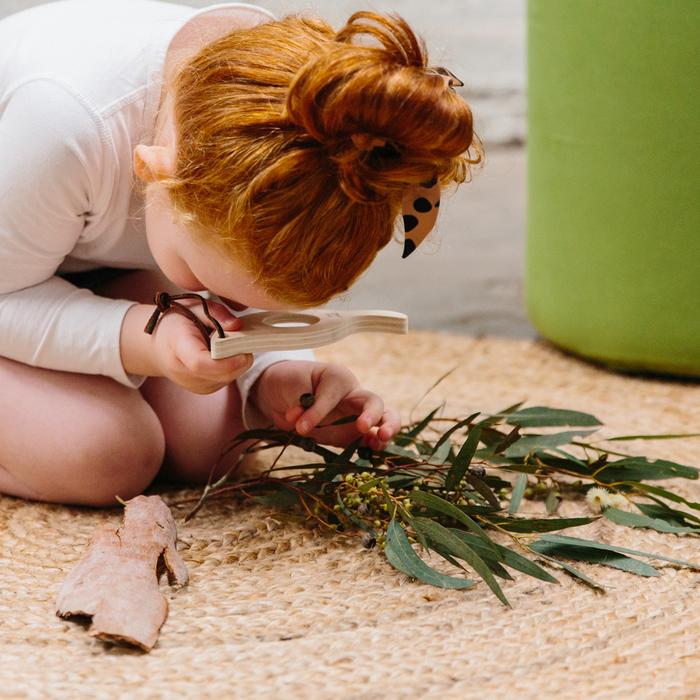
152 163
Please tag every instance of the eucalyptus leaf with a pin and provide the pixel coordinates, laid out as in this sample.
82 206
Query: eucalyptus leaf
663 493
453 429
572 571
622 517
520 563
531 443
423 424
596 556
440 455
538 524
393 449
495 418
463 459
483 489
401 556
672 436
442 551
643 469
672 515
461 550
482 551
440 505
577 542
541 416
517 493
512 437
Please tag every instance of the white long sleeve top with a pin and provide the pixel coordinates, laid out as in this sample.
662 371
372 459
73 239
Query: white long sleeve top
80 83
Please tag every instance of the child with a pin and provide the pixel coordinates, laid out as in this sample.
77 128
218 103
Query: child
271 161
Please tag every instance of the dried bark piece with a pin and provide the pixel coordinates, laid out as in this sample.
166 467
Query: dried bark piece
116 582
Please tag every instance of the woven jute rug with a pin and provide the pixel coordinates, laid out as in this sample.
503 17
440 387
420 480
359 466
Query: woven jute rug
277 610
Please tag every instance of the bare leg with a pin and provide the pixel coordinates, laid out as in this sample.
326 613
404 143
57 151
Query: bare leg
75 438
197 427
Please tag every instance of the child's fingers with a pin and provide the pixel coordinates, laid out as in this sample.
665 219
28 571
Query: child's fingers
293 413
328 394
198 360
372 410
390 425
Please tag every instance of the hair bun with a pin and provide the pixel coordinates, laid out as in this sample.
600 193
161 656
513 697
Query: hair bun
383 120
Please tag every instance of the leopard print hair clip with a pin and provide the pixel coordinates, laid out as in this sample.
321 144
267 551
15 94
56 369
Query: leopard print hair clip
420 204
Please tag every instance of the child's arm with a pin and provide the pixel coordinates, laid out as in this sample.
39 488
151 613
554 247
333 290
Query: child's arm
250 413
50 148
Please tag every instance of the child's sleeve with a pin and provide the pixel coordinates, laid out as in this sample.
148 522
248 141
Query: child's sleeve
252 418
54 155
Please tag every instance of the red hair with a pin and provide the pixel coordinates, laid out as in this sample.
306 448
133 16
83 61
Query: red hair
266 165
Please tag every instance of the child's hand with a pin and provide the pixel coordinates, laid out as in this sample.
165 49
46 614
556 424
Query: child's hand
181 355
337 394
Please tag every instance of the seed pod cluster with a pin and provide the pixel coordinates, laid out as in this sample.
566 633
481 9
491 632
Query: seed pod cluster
363 499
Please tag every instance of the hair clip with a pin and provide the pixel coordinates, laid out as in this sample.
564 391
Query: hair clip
420 209
419 205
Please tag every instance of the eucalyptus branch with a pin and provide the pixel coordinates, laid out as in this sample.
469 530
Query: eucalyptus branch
449 492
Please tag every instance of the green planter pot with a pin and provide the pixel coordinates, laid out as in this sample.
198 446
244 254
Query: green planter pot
613 242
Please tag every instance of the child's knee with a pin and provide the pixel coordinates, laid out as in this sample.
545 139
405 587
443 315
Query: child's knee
118 453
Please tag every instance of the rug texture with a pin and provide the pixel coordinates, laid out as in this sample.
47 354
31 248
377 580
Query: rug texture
277 610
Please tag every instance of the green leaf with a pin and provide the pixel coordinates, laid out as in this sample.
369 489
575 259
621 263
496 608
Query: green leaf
490 436
662 511
440 455
512 437
495 418
571 570
596 556
478 510
435 547
663 493
423 424
483 489
622 517
434 502
542 416
448 433
463 459
652 437
393 449
531 443
517 494
461 550
477 545
643 469
576 541
401 556
537 524
487 553
520 563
